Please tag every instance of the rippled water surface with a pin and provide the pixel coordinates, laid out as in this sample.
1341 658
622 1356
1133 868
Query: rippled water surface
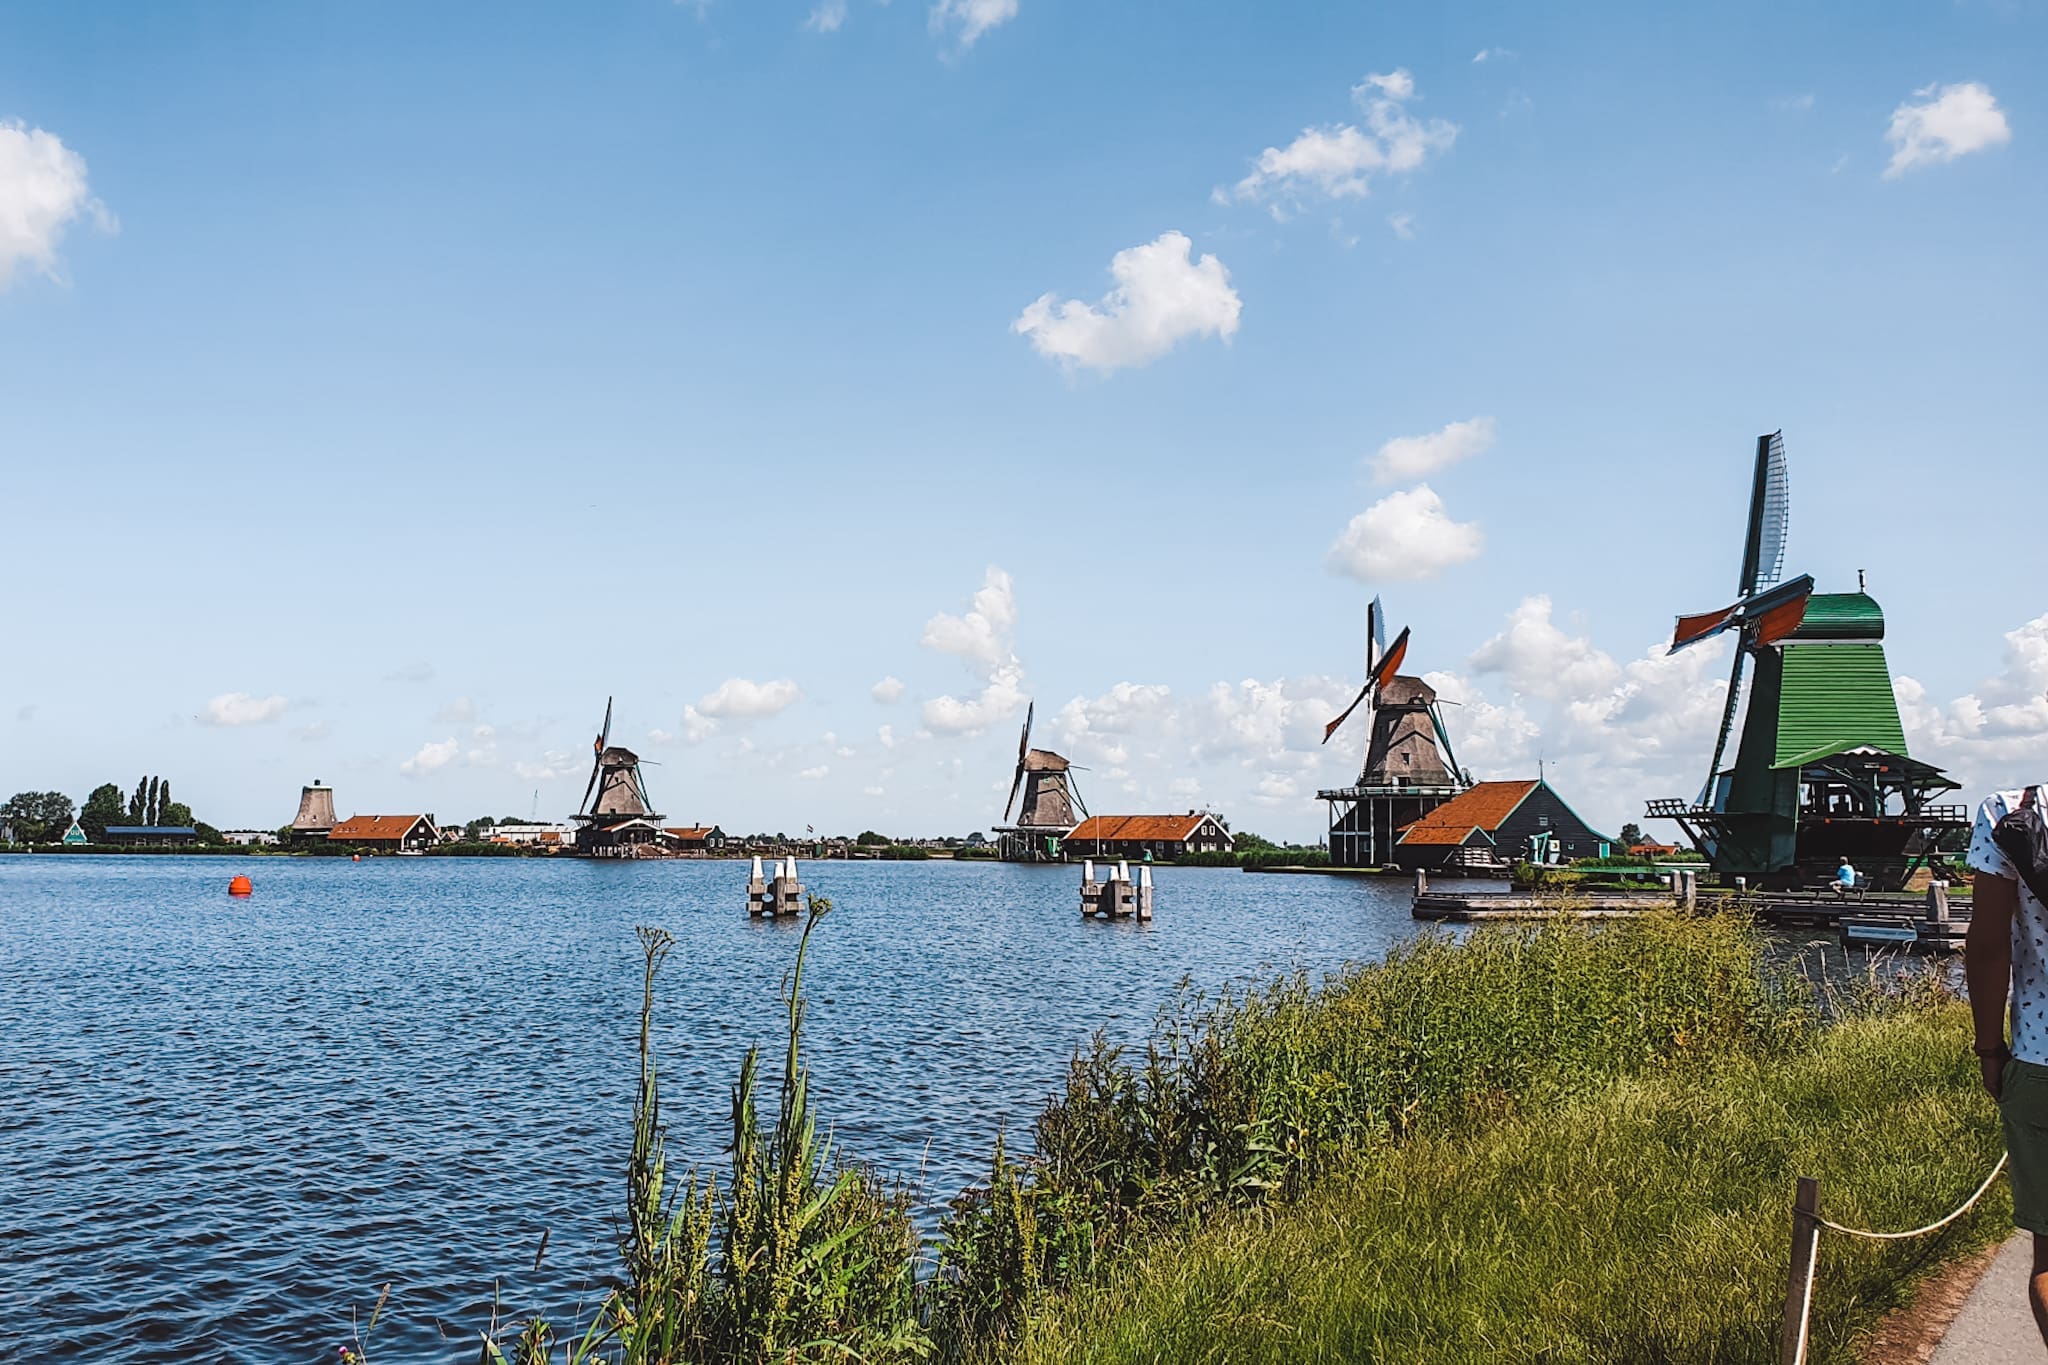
228 1123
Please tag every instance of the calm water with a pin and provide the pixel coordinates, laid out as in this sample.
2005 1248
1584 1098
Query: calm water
225 1124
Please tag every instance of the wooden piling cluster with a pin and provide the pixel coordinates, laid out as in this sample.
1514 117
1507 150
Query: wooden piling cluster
1116 895
772 896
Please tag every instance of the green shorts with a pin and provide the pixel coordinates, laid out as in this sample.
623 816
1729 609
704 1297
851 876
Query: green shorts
2023 1104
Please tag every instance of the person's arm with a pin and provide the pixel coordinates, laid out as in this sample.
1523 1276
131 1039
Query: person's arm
1987 970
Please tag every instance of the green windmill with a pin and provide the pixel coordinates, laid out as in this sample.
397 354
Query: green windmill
1821 771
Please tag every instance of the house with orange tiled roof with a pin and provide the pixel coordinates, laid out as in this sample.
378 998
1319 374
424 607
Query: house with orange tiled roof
1155 837
1492 824
387 833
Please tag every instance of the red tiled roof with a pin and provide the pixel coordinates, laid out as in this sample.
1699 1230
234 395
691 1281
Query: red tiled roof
359 829
692 831
1482 806
1148 828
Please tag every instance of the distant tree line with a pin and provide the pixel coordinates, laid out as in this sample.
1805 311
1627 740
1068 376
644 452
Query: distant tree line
43 817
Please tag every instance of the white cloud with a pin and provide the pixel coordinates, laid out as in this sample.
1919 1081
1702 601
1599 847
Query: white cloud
827 17
886 736
1795 104
1414 457
420 671
813 774
982 635
744 699
432 756
1948 122
43 191
984 638
311 732
1162 297
553 764
1994 736
1492 54
458 712
1339 161
239 708
1540 660
1404 537
888 690
1403 225
969 19
872 791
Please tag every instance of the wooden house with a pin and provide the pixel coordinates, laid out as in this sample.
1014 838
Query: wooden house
385 833
1159 838
696 838
1493 824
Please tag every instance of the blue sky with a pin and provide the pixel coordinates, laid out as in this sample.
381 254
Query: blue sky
383 386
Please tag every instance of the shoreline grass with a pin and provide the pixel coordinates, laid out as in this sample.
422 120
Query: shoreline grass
1647 1222
1555 1140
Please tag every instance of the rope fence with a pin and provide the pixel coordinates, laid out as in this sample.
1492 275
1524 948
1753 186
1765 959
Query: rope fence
1806 1229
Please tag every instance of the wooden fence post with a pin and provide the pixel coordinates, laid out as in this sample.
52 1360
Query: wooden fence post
1799 1281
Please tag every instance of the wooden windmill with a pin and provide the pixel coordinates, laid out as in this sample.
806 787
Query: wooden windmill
1409 768
1821 771
616 818
1050 801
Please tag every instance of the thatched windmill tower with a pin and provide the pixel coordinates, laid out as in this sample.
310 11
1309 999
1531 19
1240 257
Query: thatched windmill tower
316 813
616 819
1409 768
1050 802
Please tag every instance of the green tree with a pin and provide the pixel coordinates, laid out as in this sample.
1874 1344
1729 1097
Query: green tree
149 801
138 804
207 833
104 807
163 805
1631 835
37 817
869 839
176 813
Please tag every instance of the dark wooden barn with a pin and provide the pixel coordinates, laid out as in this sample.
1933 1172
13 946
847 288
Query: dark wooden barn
1493 824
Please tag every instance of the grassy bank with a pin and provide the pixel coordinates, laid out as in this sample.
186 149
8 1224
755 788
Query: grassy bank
1645 1222
1555 1141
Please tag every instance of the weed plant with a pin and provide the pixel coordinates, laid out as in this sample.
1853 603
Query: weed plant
797 1257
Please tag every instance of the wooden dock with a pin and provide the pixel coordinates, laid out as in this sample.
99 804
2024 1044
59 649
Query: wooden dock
1925 923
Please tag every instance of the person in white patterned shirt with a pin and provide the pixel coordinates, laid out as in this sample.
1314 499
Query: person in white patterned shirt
2005 965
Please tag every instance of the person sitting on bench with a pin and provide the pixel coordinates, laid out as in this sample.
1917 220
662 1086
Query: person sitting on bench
1845 878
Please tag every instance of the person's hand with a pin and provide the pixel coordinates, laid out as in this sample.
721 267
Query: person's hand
1992 1069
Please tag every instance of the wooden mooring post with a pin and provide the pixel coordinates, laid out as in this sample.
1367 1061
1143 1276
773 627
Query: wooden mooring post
1116 896
781 894
1799 1279
1937 902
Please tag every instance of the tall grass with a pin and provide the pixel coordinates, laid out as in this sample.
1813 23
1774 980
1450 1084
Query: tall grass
1491 1118
797 1257
1239 1100
1646 1221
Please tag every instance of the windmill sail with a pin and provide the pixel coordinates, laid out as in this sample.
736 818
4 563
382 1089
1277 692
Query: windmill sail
1388 665
1023 752
1770 513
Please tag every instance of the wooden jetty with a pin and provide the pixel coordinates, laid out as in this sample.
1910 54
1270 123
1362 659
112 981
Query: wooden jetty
769 897
1116 896
1930 923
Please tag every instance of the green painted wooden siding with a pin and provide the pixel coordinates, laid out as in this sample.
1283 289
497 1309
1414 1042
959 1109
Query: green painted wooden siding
1836 697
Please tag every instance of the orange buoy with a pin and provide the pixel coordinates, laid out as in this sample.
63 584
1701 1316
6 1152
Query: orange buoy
355 857
241 886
